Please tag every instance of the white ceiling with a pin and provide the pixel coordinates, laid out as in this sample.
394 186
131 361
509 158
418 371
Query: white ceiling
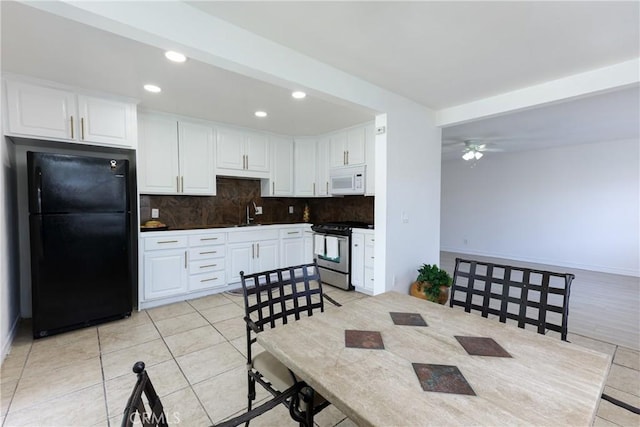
446 53
605 117
46 46
440 54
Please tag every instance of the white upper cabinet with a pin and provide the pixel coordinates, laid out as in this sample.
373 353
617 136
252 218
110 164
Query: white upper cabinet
305 167
348 147
257 152
323 167
108 122
242 153
197 172
175 157
58 114
281 181
40 111
158 165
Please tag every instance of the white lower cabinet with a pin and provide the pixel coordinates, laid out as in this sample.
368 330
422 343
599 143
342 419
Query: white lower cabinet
362 260
357 259
181 265
165 266
308 246
252 251
292 247
207 254
176 265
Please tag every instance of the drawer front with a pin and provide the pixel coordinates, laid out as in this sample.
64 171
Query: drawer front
291 233
214 279
206 252
253 235
206 265
368 256
207 239
155 243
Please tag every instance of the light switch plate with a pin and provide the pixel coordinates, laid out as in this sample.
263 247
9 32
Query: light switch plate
290 209
155 213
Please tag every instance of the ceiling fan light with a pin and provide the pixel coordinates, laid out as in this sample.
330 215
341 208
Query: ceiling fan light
468 155
478 155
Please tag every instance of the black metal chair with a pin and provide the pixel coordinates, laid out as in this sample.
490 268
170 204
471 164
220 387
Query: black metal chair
528 296
136 407
272 298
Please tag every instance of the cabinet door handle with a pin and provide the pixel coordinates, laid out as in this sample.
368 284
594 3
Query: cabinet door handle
177 184
247 162
273 188
82 128
253 250
168 241
185 259
344 157
182 184
293 232
71 127
258 251
207 266
209 280
209 252
314 188
208 238
327 187
355 244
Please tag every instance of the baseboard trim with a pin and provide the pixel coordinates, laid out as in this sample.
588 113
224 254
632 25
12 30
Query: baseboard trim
6 346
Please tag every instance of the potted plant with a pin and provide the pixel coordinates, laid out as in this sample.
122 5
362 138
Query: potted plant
431 284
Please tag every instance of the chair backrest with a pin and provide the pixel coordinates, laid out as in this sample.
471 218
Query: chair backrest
143 393
528 296
282 295
279 296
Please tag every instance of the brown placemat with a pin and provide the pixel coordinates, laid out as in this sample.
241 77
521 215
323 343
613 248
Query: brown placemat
407 319
480 346
442 379
363 339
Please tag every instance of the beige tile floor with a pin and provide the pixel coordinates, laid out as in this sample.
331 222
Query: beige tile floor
194 352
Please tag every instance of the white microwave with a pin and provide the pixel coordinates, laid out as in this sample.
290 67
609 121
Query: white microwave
346 180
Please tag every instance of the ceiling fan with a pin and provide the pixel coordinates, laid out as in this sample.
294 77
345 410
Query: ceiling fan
473 149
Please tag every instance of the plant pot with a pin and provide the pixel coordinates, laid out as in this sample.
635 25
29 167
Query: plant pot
417 291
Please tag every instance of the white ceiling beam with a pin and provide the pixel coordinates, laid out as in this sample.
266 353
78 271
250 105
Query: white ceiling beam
604 79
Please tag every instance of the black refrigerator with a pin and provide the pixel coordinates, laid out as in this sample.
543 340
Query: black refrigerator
79 211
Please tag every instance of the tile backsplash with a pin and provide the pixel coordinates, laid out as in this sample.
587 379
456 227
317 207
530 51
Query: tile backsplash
228 207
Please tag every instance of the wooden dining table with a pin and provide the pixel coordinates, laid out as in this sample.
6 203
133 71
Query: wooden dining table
396 360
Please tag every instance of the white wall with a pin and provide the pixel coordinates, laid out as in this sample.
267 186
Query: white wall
9 278
575 206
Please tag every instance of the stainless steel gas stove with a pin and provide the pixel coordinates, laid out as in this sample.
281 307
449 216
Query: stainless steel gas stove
332 249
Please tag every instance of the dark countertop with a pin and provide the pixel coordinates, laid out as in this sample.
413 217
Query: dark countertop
209 226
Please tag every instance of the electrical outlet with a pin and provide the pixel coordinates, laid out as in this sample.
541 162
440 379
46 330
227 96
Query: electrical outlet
290 209
258 210
155 213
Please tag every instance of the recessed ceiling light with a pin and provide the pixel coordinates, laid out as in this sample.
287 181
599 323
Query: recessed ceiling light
175 56
152 88
298 94
260 114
